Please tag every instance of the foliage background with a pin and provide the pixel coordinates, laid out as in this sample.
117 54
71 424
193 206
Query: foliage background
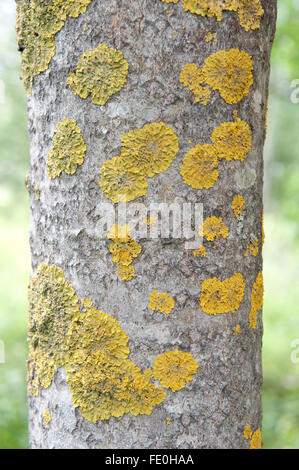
281 250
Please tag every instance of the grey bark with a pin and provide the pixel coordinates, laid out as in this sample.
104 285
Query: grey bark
226 395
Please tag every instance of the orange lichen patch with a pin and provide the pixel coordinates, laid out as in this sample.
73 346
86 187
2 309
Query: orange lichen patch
238 205
199 167
162 302
232 140
256 437
200 252
222 297
193 78
37 24
126 273
253 248
257 298
124 249
249 11
229 72
68 149
174 369
103 381
213 228
46 417
237 330
52 306
101 73
121 183
150 150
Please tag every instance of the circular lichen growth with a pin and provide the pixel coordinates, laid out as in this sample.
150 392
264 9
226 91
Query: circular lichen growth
232 140
124 249
193 78
213 228
174 369
120 182
68 149
101 73
222 296
103 381
126 273
199 167
150 150
229 72
162 302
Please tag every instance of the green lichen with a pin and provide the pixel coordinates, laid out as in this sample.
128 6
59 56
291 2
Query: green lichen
68 149
37 23
52 306
101 73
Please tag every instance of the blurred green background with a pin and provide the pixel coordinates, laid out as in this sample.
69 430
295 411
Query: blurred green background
281 249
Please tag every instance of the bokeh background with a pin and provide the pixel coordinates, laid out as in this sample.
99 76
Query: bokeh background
281 249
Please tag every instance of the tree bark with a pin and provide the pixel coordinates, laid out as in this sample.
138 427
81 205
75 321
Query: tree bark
157 40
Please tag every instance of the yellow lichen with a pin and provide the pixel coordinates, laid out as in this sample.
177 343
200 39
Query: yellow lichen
238 205
52 306
250 12
229 72
126 273
103 381
168 421
257 297
162 302
247 432
263 231
37 24
232 140
256 441
213 228
199 168
150 220
193 78
253 248
237 330
68 149
174 369
201 251
124 249
150 150
46 417
170 1
222 297
36 191
101 73
255 438
121 182
211 37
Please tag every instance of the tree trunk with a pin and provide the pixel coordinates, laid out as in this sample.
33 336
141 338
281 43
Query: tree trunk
209 392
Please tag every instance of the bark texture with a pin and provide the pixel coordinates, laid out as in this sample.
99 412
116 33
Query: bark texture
225 394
